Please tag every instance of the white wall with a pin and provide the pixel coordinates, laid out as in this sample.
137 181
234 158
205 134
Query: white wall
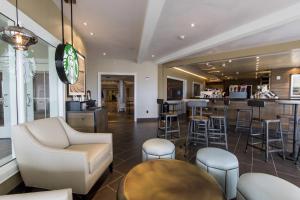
146 88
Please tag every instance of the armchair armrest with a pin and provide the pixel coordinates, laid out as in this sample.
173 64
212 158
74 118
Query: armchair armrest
65 194
76 137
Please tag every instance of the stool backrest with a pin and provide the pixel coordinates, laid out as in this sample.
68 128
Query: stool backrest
256 103
197 104
160 102
165 107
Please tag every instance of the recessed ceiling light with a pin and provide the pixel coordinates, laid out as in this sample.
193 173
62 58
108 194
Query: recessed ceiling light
153 56
181 37
229 60
223 64
91 33
104 53
257 57
85 23
207 64
193 25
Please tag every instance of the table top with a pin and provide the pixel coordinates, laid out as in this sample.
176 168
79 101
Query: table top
293 102
168 179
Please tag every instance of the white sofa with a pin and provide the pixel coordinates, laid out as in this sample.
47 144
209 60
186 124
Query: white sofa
65 194
52 155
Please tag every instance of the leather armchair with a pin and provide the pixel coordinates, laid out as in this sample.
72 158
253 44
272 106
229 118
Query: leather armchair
52 155
65 194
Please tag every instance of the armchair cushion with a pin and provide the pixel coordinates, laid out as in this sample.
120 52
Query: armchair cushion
49 132
96 153
65 194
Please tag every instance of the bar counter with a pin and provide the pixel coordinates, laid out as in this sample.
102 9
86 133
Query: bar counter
272 109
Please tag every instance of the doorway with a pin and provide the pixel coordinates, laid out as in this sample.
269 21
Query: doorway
118 96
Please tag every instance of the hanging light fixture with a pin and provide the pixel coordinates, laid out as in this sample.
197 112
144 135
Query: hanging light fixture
66 59
19 37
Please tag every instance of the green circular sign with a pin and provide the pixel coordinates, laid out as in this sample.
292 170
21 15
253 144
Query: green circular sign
66 61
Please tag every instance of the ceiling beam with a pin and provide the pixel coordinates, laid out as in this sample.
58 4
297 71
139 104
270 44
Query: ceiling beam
262 24
153 11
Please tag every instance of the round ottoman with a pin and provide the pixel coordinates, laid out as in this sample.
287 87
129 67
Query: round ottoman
261 186
223 166
157 148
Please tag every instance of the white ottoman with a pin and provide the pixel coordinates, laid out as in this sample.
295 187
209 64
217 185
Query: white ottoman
222 165
157 148
261 186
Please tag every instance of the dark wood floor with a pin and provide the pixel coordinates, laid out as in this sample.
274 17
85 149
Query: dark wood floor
129 137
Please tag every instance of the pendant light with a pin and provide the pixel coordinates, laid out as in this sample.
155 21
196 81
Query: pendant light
66 59
19 37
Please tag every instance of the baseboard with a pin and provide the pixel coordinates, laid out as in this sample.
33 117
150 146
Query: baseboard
146 119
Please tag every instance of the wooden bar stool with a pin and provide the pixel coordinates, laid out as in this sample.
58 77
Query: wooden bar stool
241 122
217 130
273 140
165 121
256 137
197 129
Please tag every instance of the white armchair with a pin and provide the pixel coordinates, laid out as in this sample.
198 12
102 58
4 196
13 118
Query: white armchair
52 155
65 194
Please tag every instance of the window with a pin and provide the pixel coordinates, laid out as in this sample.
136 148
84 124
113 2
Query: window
174 89
295 85
40 74
8 113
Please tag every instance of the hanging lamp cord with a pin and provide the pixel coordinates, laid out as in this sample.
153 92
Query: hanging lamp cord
72 21
17 13
62 21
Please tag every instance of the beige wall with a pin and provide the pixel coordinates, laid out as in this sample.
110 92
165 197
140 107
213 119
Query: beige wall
164 72
146 80
47 14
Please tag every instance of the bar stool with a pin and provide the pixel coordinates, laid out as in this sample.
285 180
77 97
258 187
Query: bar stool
297 153
197 129
271 139
257 137
165 121
217 130
287 123
243 123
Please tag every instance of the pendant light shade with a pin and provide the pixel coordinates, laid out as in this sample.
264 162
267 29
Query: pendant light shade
19 37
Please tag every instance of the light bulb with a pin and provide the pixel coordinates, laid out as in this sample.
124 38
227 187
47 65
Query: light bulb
19 39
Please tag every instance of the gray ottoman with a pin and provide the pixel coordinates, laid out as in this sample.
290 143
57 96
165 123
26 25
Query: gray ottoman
157 148
223 166
252 186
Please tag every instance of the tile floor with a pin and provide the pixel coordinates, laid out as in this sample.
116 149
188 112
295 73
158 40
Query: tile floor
129 137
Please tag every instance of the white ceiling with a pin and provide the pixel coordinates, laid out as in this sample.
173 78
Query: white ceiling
138 29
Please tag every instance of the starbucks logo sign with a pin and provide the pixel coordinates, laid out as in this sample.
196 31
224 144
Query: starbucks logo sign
66 62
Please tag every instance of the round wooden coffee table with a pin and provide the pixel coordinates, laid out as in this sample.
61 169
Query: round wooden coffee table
168 179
